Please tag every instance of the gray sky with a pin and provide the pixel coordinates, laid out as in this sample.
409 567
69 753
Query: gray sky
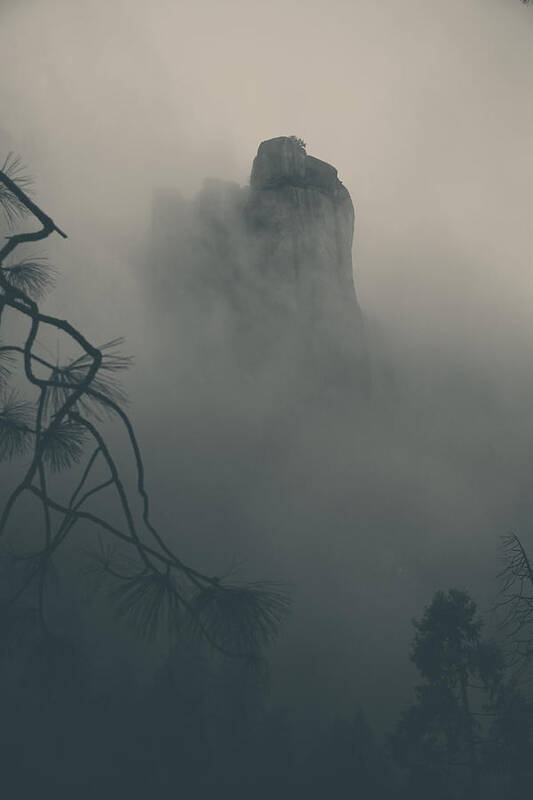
424 106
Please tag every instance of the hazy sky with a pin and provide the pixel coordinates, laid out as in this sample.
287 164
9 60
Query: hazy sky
423 105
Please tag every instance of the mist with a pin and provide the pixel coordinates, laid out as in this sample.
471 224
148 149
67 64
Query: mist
363 503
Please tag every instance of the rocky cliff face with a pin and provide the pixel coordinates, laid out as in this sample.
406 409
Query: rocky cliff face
277 255
303 214
301 219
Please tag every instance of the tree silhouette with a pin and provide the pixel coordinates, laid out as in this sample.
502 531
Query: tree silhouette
516 602
442 734
60 427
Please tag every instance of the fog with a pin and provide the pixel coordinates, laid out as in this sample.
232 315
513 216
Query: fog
362 506
423 108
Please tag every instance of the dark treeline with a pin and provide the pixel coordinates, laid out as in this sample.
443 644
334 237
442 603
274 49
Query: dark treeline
93 722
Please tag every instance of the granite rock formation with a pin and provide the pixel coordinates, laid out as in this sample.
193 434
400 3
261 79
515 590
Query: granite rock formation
276 256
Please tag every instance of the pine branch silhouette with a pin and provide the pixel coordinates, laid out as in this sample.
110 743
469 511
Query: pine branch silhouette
148 584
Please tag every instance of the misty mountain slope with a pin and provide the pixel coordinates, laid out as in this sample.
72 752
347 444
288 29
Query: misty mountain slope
272 459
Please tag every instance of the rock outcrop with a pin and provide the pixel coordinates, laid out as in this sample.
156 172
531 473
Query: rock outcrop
302 220
277 255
